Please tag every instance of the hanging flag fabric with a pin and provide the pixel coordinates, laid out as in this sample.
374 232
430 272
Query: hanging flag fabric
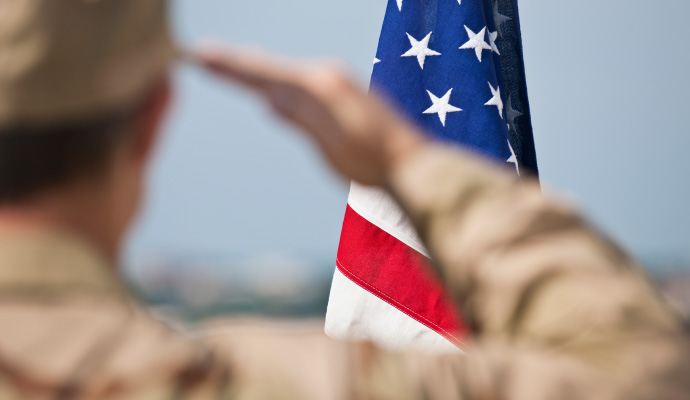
455 68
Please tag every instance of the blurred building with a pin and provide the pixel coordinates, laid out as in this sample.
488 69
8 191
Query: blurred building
197 290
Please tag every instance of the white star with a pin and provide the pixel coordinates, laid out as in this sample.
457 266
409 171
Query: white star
512 115
492 42
400 5
476 42
499 18
513 159
496 100
420 49
376 61
441 106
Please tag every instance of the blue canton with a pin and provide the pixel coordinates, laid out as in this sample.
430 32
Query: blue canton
455 68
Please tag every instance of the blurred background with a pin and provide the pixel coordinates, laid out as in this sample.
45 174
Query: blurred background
242 216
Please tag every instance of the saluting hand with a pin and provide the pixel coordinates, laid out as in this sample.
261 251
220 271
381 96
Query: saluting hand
361 137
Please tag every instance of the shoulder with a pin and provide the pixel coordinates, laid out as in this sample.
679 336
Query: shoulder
100 348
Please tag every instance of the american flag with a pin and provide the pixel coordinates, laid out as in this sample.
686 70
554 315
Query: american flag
455 68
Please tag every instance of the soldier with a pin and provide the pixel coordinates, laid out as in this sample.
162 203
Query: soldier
556 310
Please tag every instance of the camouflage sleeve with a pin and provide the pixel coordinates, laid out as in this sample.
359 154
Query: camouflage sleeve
275 362
520 265
544 293
556 310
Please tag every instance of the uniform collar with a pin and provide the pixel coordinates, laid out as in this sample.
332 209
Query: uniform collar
54 263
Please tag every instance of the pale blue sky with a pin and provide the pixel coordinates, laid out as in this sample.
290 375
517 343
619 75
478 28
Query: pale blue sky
608 85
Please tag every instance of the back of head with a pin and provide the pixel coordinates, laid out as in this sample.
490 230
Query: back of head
72 74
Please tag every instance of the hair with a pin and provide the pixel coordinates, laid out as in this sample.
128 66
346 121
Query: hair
35 158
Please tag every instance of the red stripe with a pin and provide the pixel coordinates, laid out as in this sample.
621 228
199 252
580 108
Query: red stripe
396 273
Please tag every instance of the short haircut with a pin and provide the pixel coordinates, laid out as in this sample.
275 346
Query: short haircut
35 158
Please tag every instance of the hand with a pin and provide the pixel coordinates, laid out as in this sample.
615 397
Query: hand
358 134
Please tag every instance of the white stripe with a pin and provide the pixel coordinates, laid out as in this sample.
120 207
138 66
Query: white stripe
355 314
379 208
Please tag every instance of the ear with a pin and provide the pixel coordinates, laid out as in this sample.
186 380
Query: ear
150 120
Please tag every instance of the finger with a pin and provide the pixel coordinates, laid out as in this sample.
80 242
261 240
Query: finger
250 67
277 79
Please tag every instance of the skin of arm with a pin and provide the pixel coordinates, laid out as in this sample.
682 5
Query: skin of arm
552 304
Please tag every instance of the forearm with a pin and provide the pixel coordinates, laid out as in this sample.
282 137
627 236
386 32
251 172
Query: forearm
454 200
516 263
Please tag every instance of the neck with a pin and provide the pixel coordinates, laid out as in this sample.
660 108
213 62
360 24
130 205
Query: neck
81 212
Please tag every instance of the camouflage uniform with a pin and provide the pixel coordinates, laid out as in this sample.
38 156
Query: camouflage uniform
556 311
